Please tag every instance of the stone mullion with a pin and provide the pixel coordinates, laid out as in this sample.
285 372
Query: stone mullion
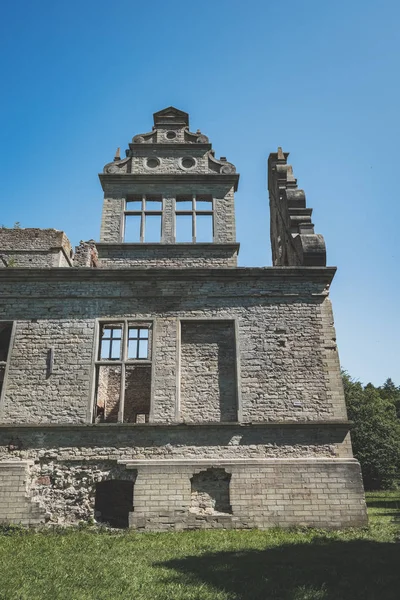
194 218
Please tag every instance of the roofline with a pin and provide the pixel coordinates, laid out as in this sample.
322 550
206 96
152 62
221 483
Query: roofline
313 274
196 178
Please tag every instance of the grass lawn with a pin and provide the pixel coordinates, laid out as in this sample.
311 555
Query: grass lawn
208 565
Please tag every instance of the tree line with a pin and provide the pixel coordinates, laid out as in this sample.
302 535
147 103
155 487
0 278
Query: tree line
375 412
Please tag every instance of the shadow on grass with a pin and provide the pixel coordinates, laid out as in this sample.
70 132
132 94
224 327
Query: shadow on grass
388 503
322 570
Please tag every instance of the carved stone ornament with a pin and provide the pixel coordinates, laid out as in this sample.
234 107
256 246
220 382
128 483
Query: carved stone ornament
198 137
228 168
116 166
224 167
142 138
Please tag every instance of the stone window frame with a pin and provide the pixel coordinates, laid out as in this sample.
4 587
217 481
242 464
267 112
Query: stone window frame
234 320
143 212
194 212
6 363
124 361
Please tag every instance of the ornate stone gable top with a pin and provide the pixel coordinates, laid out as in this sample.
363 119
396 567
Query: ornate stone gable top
170 116
170 148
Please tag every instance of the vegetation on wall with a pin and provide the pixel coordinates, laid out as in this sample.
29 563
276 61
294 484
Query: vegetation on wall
375 412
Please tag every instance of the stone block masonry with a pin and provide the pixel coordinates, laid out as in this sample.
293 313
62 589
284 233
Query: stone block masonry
157 385
64 464
254 493
16 503
283 336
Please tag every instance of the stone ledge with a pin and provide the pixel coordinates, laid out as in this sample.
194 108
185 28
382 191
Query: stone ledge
322 275
191 178
344 424
15 463
245 462
178 245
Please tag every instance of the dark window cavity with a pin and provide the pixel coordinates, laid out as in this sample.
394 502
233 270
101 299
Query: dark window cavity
114 502
5 338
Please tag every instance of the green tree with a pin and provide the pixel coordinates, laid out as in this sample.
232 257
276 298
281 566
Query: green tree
376 433
392 393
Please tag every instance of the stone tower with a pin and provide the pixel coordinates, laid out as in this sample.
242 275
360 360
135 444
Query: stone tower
147 381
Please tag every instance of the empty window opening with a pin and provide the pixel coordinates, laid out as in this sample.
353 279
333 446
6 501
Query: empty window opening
143 219
108 393
137 393
5 338
210 492
194 220
123 373
114 502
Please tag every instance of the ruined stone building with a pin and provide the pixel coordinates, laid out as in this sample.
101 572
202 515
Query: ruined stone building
147 381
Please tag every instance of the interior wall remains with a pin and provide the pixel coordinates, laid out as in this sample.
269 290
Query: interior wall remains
208 390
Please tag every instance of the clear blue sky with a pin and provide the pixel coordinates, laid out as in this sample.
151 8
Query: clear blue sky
320 79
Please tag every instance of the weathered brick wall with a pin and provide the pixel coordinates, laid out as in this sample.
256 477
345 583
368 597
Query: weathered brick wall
34 395
16 504
262 494
167 255
208 371
284 374
67 462
33 247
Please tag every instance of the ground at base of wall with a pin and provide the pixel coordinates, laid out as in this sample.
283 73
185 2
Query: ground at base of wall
212 565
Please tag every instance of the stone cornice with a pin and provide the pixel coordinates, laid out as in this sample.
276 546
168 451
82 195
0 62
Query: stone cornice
170 146
322 275
203 246
191 178
104 427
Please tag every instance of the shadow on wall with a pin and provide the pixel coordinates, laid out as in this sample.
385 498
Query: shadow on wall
227 383
321 570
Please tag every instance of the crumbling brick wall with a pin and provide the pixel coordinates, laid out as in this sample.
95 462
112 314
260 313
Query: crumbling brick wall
33 247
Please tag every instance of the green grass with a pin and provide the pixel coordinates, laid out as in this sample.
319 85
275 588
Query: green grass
208 565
